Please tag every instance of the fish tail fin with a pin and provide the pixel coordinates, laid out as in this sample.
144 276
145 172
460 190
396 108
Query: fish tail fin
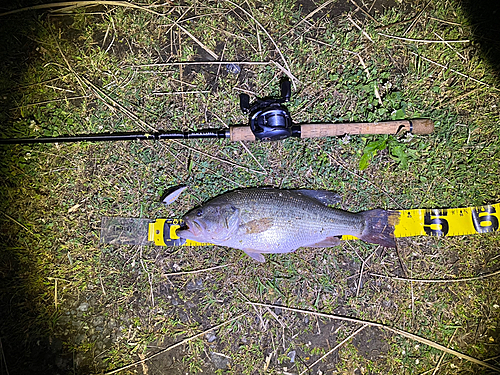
379 227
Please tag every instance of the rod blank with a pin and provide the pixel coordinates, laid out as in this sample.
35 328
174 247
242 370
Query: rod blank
112 137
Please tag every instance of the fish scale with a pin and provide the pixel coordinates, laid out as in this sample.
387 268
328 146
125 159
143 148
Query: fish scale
297 222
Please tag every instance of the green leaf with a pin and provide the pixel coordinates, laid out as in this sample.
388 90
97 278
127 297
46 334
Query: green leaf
370 151
399 152
400 114
375 146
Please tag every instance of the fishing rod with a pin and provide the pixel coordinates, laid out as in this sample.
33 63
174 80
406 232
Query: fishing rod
269 120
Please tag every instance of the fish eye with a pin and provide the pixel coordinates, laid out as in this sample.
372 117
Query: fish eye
199 213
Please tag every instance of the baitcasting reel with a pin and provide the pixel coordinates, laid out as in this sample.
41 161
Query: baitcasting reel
269 118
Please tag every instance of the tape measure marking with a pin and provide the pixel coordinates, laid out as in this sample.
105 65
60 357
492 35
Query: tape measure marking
448 222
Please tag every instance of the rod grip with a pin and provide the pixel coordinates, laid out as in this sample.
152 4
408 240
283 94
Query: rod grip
241 133
317 130
417 126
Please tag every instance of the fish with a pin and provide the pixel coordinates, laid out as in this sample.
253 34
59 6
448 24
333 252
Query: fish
268 221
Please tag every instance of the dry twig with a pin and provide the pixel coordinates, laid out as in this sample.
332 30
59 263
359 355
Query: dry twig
481 277
398 331
195 271
185 341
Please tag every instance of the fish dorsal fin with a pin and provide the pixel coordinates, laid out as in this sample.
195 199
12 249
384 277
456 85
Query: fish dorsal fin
323 196
255 255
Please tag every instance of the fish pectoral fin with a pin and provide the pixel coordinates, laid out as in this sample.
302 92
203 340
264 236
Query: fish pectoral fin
323 196
255 255
327 242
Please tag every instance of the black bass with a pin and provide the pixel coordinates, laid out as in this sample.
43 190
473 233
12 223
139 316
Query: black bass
262 221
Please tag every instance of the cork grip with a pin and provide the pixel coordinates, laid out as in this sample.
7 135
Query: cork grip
241 133
417 126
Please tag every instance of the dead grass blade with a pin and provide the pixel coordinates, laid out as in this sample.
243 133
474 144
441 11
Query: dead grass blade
423 40
481 277
454 71
438 365
185 341
179 93
397 331
309 15
248 169
113 104
389 196
3 360
253 156
286 72
365 12
197 41
201 63
360 29
368 75
75 4
416 19
18 223
286 68
195 271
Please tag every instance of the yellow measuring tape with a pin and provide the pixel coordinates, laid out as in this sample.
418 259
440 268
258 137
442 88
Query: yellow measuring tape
448 222
424 222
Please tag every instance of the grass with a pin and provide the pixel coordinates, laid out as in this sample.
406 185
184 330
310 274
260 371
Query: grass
114 68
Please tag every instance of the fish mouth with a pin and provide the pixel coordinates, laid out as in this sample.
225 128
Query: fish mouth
191 226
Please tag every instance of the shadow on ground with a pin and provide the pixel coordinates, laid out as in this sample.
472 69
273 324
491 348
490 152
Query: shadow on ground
25 344
484 16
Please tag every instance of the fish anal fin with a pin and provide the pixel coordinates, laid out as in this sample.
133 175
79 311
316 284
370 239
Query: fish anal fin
255 255
323 196
327 242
